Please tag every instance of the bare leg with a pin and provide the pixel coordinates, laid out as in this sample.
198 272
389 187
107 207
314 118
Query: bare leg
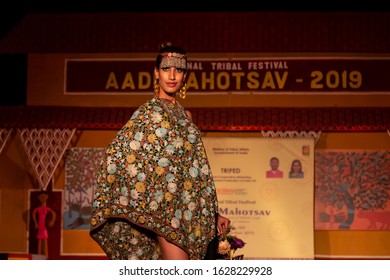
170 251
45 248
40 251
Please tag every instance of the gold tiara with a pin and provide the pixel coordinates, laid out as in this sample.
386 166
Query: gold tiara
173 59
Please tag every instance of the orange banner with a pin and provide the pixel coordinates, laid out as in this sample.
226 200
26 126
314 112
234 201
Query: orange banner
256 75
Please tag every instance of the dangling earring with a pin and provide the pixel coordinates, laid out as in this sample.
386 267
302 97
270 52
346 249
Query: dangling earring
183 91
156 87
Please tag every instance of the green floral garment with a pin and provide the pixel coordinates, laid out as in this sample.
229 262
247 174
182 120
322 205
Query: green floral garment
155 178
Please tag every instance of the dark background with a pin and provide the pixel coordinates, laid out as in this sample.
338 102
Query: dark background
14 66
12 12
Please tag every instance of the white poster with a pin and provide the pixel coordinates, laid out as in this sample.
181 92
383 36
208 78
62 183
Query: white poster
266 188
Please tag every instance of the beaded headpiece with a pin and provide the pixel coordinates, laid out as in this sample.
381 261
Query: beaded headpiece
173 59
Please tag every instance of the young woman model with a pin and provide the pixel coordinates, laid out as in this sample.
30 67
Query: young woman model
155 196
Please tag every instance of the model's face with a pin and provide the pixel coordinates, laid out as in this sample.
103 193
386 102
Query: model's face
170 79
274 164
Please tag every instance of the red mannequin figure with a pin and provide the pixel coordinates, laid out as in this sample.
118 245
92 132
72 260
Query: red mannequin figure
39 216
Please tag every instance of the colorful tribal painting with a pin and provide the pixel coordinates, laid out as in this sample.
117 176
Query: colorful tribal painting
352 190
81 165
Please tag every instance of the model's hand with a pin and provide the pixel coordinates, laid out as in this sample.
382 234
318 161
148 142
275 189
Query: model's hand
222 224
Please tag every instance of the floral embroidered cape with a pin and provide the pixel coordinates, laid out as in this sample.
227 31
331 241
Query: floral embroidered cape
155 178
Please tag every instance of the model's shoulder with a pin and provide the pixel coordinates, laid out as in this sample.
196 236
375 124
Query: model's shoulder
147 105
152 103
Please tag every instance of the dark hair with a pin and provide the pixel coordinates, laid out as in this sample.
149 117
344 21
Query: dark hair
167 47
296 161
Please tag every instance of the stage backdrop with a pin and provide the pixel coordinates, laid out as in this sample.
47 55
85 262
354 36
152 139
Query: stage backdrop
81 166
273 215
352 190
